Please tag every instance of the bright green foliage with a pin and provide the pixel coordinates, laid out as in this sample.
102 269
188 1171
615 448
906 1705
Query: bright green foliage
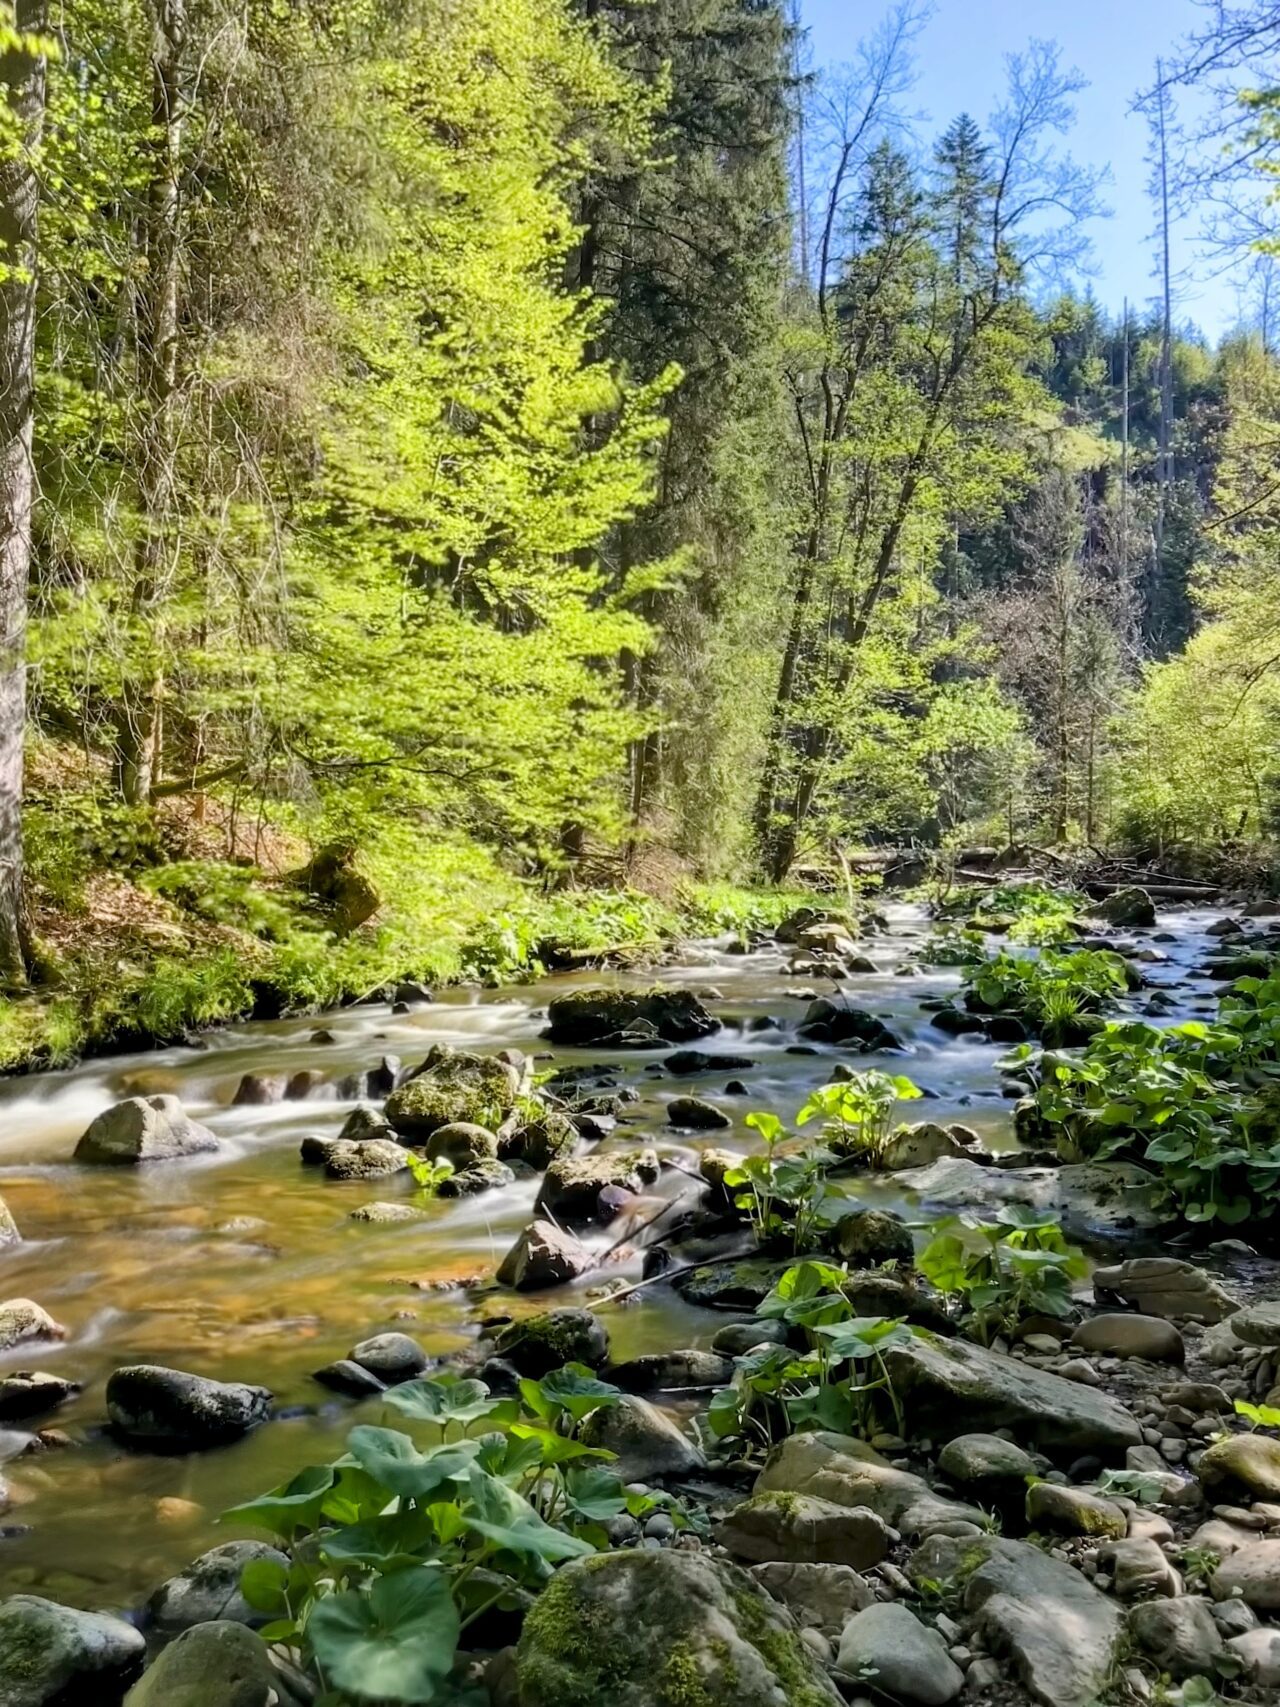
397 1547
857 1112
785 1194
1258 1416
1052 986
841 1382
1000 1272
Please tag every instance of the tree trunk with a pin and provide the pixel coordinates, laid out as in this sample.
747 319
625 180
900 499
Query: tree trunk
23 74
158 336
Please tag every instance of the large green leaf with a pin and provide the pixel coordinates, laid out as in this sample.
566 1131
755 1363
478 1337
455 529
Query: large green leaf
446 1400
397 1464
394 1642
498 1513
574 1391
296 1505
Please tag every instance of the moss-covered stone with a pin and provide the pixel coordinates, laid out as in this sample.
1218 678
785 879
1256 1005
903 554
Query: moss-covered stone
453 1087
663 1629
553 1338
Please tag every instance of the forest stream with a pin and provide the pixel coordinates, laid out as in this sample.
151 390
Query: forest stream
246 1265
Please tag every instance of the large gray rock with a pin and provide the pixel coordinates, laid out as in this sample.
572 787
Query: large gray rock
647 1443
1062 1636
55 1656
1128 907
848 1472
453 1086
1250 1461
1117 1334
628 1018
209 1588
22 1320
902 1657
949 1387
211 1665
542 1256
143 1129
1179 1636
1095 1200
170 1410
1253 1574
635 1629
819 1597
1168 1287
803 1529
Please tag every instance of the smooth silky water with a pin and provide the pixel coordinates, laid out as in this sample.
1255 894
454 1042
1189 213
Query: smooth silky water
245 1265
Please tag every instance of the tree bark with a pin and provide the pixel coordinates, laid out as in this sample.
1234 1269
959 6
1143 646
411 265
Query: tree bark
24 77
158 338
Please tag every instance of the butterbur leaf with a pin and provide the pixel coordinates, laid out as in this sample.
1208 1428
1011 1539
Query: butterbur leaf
395 1462
594 1493
577 1391
724 1413
555 1448
445 1400
296 1505
394 1642
499 1514
767 1125
263 1583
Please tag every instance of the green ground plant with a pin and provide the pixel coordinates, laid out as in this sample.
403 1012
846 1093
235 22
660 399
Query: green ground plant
1048 987
998 1273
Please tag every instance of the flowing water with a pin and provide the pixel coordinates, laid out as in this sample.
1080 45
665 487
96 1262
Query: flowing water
245 1265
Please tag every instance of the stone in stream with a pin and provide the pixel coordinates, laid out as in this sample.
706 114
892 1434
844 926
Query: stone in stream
350 1379
1095 1200
830 1022
1168 1287
9 1234
647 1444
541 1142
571 1187
1128 907
672 1371
257 1090
736 1339
628 1018
210 1665
848 1472
693 1114
951 1386
745 1284
31 1392
868 1237
547 1341
143 1129
22 1320
461 1143
638 1628
544 1255
453 1086
803 1529
1116 1334
1061 1634
209 1588
51 1654
171 1410
479 1176
365 1121
921 1145
386 1214
686 1061
904 1659
1073 1511
368 1158
391 1357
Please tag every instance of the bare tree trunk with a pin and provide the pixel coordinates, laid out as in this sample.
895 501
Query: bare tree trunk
158 336
24 74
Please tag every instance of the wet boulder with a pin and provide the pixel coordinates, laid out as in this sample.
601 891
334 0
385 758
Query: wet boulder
143 1129
628 1018
218 1664
477 1177
171 1410
453 1086
391 1357
22 1320
538 1344
258 1090
570 1190
369 1158
869 1237
1128 907
694 1114
832 1022
646 1443
924 1143
30 1393
544 1255
349 1379
51 1654
687 1061
461 1143
636 1628
365 1121
209 1588
539 1142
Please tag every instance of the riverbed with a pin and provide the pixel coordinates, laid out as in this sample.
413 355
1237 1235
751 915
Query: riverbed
246 1265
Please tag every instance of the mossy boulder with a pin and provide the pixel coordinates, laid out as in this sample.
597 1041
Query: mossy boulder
628 1018
869 1237
453 1086
1250 1462
462 1143
211 1665
479 1176
544 1342
538 1143
1073 1511
571 1187
1127 907
804 1529
23 1320
663 1629
51 1654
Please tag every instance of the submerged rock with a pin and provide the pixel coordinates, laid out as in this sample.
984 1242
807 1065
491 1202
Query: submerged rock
30 1392
951 1386
51 1654
480 1176
636 1629
143 1129
170 1410
209 1588
628 1018
831 1022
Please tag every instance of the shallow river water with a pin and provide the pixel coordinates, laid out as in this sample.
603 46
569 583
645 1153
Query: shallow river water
246 1266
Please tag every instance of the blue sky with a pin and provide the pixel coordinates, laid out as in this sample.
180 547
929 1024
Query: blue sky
1114 43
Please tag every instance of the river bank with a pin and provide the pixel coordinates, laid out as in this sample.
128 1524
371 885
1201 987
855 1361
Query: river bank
244 1265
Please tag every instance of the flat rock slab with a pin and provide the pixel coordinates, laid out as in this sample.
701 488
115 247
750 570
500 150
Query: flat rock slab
1095 1200
949 1387
1168 1287
848 1472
